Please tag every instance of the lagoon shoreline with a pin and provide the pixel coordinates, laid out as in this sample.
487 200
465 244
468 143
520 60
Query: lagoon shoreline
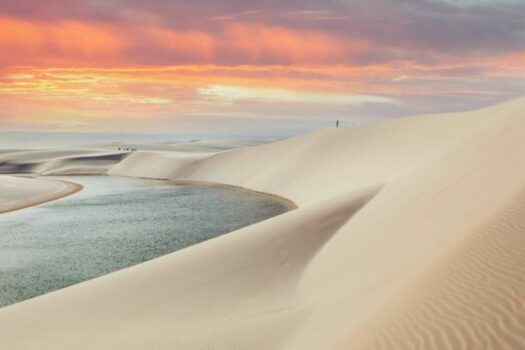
18 193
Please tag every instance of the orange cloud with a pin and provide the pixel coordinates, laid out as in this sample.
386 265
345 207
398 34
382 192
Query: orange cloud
57 43
194 43
74 70
260 42
75 43
86 39
84 95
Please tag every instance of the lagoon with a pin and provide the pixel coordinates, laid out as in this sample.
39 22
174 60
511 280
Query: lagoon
115 223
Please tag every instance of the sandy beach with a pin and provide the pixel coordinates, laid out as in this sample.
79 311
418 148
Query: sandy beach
408 235
19 192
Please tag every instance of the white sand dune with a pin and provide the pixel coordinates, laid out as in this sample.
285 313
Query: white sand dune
100 159
159 165
18 192
198 146
60 162
408 235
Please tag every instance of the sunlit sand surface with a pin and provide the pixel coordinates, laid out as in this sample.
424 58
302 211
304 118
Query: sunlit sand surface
408 235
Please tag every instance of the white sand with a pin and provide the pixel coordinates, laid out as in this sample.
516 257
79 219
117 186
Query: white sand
60 162
100 159
160 165
408 235
18 192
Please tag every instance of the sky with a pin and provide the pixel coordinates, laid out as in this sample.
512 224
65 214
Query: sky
239 67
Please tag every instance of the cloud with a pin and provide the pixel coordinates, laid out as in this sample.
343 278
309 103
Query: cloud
77 43
235 93
132 60
270 32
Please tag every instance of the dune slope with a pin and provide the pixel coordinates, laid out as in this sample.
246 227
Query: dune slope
408 235
238 292
59 162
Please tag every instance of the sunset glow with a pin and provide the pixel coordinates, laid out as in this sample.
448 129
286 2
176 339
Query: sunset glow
156 65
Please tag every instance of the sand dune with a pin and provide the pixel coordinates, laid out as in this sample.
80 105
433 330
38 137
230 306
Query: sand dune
59 162
18 192
86 164
253 289
160 165
198 146
101 159
408 235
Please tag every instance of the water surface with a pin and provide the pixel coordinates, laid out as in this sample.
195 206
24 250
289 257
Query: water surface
112 224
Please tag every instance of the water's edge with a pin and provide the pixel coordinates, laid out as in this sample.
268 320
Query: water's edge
116 223
74 189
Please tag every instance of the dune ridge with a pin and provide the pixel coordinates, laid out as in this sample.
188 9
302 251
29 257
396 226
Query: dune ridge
408 235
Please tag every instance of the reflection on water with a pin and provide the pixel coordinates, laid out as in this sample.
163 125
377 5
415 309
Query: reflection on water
115 223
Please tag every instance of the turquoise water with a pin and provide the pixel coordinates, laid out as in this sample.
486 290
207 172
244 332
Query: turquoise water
112 224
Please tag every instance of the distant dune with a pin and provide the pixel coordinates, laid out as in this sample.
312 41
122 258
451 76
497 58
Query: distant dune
409 234
99 159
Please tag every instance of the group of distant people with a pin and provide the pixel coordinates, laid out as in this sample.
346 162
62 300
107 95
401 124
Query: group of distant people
127 149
